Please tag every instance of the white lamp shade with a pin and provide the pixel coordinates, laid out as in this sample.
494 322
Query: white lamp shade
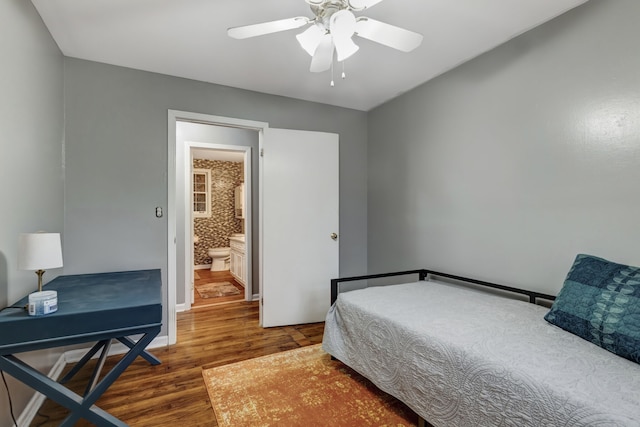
39 251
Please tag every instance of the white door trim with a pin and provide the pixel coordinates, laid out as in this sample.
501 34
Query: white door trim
172 154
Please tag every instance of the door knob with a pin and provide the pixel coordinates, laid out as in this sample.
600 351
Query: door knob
334 236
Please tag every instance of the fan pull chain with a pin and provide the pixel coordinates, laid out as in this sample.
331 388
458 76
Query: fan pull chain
344 74
332 83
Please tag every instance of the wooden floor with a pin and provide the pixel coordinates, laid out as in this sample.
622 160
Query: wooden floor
173 393
208 276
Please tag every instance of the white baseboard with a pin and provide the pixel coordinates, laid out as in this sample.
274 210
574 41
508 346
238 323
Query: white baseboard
202 267
256 297
72 356
181 307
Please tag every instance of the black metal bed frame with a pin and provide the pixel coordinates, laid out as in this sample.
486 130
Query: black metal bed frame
423 274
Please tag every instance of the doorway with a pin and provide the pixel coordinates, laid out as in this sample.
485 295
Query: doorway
204 145
306 164
192 135
218 217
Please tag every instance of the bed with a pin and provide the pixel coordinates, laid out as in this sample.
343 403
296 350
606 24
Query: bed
461 356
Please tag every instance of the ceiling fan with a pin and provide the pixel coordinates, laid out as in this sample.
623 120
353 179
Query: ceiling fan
332 30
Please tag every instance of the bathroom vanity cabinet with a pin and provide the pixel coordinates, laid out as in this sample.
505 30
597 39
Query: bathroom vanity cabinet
237 263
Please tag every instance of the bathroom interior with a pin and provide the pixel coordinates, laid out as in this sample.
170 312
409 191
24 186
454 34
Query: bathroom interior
218 227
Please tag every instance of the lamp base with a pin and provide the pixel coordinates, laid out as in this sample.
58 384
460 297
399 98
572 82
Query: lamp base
39 273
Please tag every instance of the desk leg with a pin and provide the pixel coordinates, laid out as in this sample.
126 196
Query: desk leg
79 407
45 385
96 372
108 379
145 354
83 361
104 346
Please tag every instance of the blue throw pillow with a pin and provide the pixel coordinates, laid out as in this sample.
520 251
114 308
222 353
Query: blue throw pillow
600 302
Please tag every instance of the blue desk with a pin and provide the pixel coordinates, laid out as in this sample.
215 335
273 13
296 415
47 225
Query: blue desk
91 308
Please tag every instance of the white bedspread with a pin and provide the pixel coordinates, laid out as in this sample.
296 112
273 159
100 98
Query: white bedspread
461 357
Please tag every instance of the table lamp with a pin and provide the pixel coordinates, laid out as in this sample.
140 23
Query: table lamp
38 251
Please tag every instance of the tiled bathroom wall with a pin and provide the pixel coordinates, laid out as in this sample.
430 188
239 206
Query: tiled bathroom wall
214 232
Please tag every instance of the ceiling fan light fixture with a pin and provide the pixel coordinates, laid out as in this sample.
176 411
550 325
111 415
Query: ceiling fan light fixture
323 57
342 26
310 39
345 47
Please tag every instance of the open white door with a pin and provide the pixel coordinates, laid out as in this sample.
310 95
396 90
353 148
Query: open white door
300 220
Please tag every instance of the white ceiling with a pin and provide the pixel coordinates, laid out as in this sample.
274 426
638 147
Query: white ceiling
187 38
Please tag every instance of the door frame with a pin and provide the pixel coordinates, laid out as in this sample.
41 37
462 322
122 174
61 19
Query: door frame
176 153
188 147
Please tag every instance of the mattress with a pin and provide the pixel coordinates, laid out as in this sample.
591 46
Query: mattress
461 357
89 305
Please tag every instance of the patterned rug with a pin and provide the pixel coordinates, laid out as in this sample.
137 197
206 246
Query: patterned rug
301 387
217 289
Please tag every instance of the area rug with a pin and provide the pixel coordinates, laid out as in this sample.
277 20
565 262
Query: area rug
301 387
217 289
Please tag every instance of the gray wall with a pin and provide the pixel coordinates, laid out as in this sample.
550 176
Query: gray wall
31 170
116 154
502 169
508 166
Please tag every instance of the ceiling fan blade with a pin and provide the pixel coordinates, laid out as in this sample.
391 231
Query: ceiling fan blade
263 28
362 4
323 57
388 35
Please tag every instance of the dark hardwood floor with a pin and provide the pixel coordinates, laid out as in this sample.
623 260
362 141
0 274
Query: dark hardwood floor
173 393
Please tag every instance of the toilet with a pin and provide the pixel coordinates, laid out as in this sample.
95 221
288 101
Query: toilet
219 258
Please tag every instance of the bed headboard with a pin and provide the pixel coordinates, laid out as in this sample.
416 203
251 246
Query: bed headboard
423 274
